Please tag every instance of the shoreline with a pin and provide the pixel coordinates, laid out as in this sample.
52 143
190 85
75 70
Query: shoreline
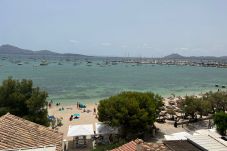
90 117
97 100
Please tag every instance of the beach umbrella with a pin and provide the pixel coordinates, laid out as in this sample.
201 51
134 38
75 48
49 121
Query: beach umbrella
82 105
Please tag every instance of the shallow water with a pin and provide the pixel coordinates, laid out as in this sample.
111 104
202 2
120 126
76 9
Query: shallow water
69 83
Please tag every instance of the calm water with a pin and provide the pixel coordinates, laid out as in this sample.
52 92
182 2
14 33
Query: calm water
69 83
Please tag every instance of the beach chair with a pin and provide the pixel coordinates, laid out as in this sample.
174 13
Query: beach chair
51 117
81 142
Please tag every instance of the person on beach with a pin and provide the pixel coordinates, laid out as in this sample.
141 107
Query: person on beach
175 124
71 118
77 104
49 104
94 110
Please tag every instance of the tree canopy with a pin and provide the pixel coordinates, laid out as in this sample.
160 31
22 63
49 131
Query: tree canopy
21 99
192 105
220 119
218 100
132 111
211 102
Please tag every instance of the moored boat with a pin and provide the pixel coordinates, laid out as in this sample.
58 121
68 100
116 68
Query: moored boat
44 63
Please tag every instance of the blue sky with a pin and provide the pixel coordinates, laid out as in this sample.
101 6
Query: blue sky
143 28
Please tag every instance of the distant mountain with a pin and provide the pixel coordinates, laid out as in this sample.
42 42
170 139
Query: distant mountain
174 56
9 49
177 56
13 50
223 57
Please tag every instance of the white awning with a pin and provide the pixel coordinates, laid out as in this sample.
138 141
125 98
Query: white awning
211 132
80 130
102 128
207 142
177 136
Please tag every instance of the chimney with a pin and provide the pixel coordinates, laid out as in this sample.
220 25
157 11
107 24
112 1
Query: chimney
139 143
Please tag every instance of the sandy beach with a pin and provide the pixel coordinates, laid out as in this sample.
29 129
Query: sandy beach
90 118
85 117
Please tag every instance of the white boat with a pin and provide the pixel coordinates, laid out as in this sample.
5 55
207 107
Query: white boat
20 64
44 63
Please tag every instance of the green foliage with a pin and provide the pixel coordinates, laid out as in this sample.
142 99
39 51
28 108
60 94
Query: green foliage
192 105
133 111
220 119
189 106
218 100
21 99
211 102
203 106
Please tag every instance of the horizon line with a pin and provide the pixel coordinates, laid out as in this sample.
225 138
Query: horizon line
91 55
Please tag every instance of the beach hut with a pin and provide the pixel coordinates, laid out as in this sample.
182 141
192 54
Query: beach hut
80 130
79 133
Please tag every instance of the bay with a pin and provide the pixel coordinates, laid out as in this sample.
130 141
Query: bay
69 81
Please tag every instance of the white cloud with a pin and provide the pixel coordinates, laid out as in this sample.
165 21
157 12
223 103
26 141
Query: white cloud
74 41
106 44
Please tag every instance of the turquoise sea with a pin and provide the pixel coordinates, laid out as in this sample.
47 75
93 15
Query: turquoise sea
70 81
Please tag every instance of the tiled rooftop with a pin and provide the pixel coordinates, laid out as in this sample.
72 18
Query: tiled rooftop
16 132
131 146
141 146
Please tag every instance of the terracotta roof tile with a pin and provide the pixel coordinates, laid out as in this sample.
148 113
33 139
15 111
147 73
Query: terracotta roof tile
131 146
16 132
